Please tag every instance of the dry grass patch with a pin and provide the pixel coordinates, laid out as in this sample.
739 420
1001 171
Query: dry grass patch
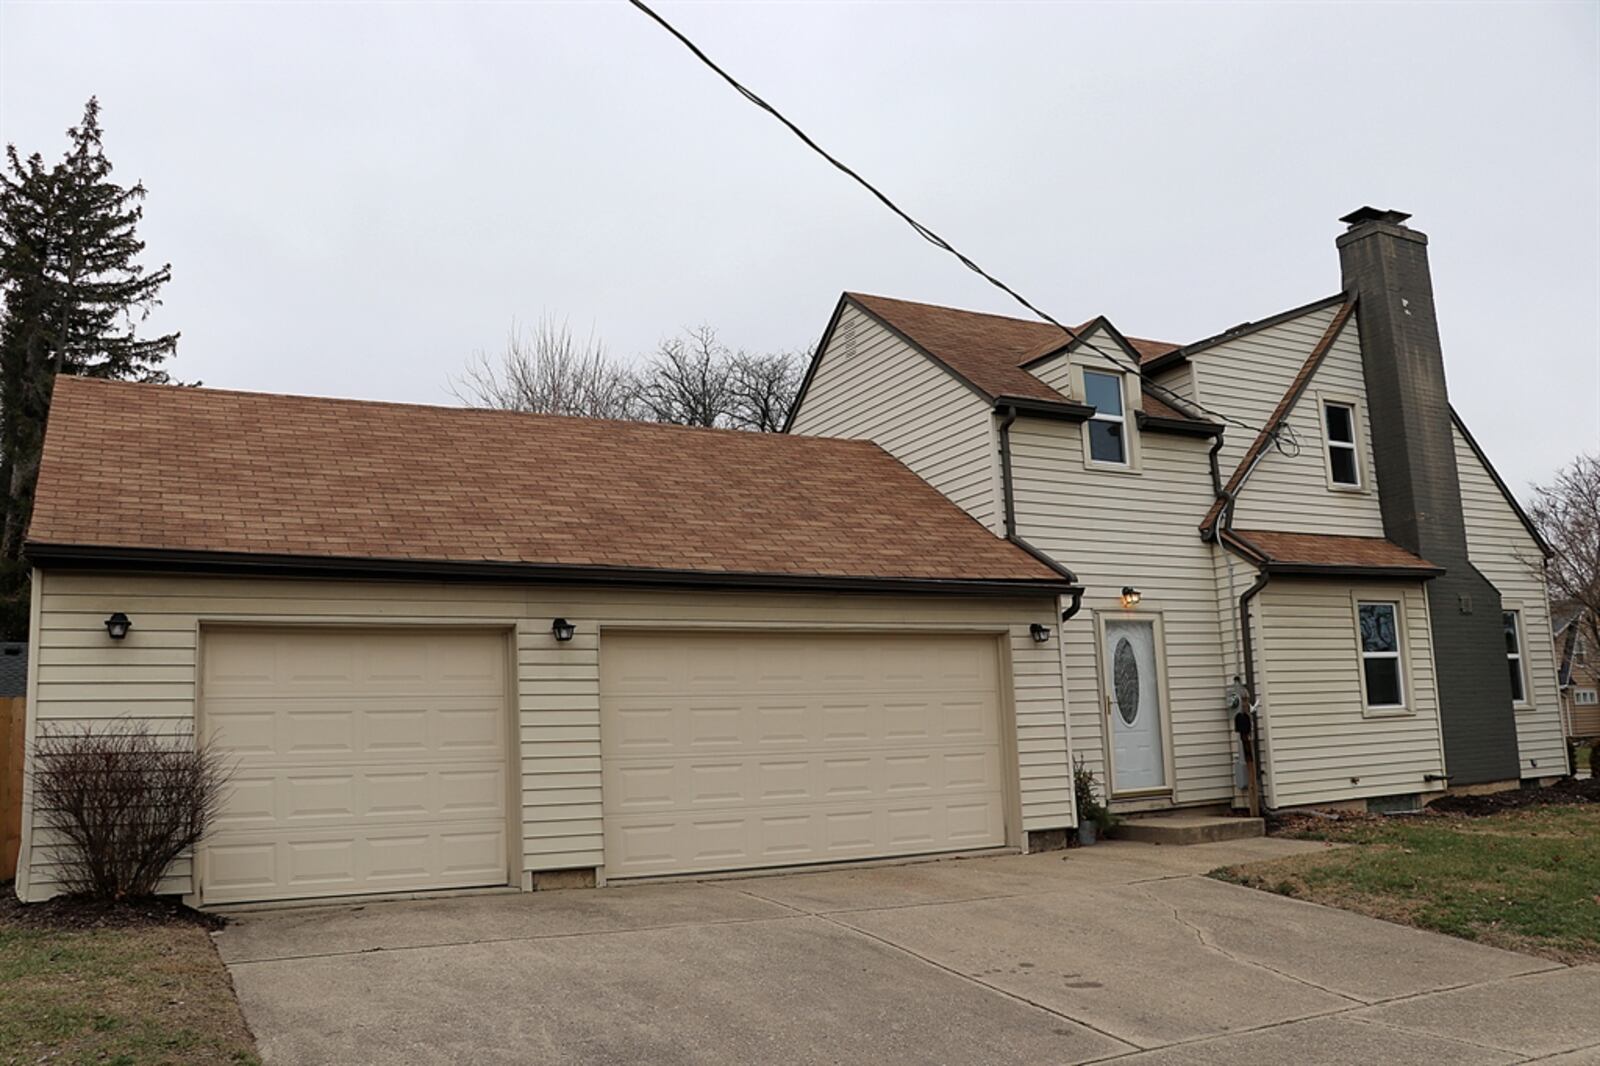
1526 879
114 989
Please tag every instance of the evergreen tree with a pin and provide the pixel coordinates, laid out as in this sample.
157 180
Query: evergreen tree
74 297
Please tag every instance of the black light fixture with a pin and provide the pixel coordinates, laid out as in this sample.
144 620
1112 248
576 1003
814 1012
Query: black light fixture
1039 633
117 626
1131 596
563 629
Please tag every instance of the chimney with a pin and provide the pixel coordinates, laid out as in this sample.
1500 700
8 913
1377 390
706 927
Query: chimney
1385 265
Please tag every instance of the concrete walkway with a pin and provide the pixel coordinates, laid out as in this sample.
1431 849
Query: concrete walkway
1119 952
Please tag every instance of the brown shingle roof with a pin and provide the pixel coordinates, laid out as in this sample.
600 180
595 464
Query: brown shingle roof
151 467
989 350
1287 551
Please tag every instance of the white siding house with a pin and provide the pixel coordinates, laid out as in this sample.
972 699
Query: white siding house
1164 553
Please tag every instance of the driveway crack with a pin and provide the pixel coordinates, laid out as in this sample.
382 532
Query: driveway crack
1210 945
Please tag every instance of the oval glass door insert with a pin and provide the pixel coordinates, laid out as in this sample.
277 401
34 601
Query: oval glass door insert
1125 680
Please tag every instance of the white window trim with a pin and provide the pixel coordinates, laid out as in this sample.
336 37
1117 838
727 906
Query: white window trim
1324 401
1406 706
1515 608
1128 420
1579 700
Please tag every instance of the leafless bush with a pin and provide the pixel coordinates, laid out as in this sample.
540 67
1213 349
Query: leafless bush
124 802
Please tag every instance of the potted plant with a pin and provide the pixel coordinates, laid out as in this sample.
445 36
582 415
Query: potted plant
1094 819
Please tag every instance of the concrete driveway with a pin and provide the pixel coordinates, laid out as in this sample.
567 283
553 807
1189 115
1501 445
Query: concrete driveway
1116 952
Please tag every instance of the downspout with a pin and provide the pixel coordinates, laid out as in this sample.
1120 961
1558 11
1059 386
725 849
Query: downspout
1246 637
1010 509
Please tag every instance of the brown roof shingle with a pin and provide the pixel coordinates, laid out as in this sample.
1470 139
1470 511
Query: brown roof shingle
989 350
200 470
1324 551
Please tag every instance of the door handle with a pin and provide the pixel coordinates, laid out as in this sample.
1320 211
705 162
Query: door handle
1108 704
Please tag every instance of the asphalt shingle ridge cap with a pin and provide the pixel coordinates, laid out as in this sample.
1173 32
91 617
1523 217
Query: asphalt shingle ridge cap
666 428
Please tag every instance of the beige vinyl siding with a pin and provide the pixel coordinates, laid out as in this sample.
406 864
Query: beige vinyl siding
870 384
1246 378
1323 746
1180 381
1115 529
1500 546
80 675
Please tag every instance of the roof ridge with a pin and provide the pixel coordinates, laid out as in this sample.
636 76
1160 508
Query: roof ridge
485 412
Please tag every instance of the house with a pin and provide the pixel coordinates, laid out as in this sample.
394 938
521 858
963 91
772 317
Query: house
1578 672
1287 515
451 648
13 669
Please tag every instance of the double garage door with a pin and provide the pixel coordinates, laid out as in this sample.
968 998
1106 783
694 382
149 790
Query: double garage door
738 751
378 761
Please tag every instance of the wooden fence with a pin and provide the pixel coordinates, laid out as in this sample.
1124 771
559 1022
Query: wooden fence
13 712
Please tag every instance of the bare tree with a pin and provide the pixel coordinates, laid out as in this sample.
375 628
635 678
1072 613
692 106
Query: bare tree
1567 513
548 371
764 386
689 380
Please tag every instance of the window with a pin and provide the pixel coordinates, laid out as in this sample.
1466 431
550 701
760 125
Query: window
1513 624
1380 655
1339 420
1108 440
1585 697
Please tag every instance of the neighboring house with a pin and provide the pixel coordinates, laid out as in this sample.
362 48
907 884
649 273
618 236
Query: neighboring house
1579 674
13 669
452 648
1353 562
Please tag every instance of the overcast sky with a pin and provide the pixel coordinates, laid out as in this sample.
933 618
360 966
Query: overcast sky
354 198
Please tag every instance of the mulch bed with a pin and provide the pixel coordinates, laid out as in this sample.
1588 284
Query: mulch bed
67 913
1564 793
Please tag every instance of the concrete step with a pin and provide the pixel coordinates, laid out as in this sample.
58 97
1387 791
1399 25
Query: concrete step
1189 828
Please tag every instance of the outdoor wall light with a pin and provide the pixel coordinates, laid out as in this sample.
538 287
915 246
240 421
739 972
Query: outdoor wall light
1039 633
117 626
1131 596
563 629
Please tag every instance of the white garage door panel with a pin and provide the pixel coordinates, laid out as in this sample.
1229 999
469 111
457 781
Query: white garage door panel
729 751
366 762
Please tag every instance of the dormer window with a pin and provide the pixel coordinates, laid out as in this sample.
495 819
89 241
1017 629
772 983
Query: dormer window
1108 437
1344 464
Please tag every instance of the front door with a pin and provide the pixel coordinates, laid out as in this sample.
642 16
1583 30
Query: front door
1133 706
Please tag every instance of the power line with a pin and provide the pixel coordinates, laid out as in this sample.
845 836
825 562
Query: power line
929 235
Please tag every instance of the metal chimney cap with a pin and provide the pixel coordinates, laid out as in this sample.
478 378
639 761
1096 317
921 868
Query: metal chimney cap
1374 214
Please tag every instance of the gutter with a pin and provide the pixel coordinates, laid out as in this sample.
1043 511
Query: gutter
1008 413
165 560
1223 537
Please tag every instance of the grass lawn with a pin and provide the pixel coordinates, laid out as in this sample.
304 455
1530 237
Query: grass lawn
114 992
1525 879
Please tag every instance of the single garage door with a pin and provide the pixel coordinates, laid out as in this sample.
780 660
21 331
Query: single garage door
726 751
368 761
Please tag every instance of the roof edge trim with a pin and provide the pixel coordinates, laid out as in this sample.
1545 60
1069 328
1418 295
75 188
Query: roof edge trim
1505 490
906 338
1410 573
1244 329
98 557
1064 411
